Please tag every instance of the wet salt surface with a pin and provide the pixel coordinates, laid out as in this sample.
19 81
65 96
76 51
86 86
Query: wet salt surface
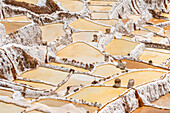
146 76
17 18
83 24
137 65
47 35
60 103
72 5
83 36
154 56
97 94
106 70
163 101
77 80
82 52
69 66
29 1
120 47
13 26
102 2
157 21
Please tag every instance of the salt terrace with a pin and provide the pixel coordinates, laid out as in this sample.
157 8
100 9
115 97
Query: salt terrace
84 56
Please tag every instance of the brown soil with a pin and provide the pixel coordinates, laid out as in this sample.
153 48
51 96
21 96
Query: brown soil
51 6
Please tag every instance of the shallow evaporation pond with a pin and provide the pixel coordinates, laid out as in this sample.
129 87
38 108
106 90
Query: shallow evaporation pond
167 33
68 66
98 94
107 22
166 15
83 36
6 93
157 21
29 1
83 24
168 64
51 31
10 108
154 29
125 21
120 47
145 109
163 101
72 5
77 80
95 2
100 8
81 52
146 76
156 57
167 28
138 65
60 103
44 74
13 26
98 15
134 17
106 70
17 18
157 39
140 32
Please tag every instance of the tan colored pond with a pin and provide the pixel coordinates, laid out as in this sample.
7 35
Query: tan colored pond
13 26
6 93
137 65
150 110
157 21
51 31
83 24
167 33
168 64
106 70
60 103
100 8
97 15
29 1
141 32
82 52
167 28
107 22
69 66
45 74
98 94
125 21
166 15
120 47
156 57
17 18
10 108
83 36
154 29
72 5
163 101
134 17
156 39
102 2
146 76
78 79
